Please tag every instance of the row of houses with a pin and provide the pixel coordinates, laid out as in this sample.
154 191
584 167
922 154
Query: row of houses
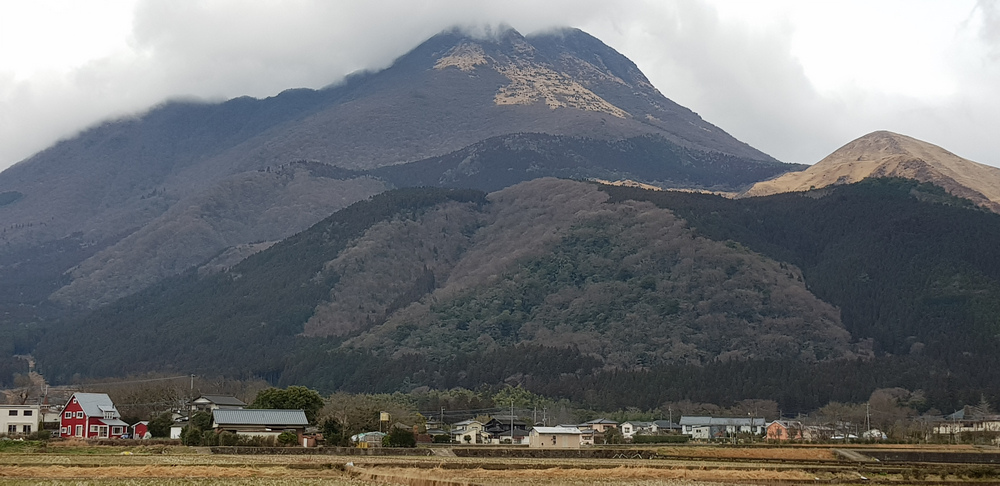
94 416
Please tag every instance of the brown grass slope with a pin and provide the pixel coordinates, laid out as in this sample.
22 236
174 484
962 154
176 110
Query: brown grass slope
887 154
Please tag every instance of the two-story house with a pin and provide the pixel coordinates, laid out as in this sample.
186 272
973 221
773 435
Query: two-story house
91 416
468 432
19 419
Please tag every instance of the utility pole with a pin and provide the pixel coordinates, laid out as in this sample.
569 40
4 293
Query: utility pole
670 419
511 421
868 418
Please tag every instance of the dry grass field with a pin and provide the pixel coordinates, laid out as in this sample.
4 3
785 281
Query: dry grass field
80 464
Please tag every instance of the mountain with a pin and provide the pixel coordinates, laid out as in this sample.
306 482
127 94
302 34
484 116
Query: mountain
434 272
569 287
887 154
146 197
505 160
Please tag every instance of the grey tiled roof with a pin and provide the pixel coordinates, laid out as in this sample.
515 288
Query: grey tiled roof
94 404
724 421
223 400
293 418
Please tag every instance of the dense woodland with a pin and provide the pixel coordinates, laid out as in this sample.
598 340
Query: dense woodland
910 269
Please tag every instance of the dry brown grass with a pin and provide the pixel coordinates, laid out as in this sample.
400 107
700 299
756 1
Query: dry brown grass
159 471
622 473
774 453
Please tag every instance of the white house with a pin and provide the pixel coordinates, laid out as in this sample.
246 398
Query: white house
631 428
19 419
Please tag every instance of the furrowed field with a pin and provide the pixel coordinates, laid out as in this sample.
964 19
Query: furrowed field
60 463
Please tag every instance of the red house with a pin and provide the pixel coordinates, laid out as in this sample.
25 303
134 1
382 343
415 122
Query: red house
91 416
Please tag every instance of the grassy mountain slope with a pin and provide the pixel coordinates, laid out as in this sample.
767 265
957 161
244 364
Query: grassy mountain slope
887 154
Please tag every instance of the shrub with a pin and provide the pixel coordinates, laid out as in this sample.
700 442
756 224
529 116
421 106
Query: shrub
441 439
660 439
191 436
209 438
399 438
288 438
228 439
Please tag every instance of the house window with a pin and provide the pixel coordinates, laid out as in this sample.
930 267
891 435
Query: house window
68 415
93 428
79 414
79 430
27 429
27 413
117 430
62 430
12 413
11 429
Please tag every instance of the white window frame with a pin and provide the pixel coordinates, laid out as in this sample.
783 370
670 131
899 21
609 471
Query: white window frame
12 413
26 429
93 428
68 415
79 414
11 429
79 431
117 430
27 413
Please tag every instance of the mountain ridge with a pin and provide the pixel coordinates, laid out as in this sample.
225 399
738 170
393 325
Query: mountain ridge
887 154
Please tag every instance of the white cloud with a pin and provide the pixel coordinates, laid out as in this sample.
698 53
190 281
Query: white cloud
794 79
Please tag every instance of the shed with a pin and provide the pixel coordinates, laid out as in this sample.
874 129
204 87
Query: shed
555 437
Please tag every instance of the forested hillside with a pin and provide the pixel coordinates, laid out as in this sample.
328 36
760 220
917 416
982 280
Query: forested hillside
582 291
909 266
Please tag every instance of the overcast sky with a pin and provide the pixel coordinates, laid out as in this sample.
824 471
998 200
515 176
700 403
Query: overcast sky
794 79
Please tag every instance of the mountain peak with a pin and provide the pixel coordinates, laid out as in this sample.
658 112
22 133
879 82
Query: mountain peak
887 154
883 143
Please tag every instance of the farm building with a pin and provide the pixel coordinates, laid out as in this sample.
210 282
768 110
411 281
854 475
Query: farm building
259 422
717 427
92 416
560 437
140 430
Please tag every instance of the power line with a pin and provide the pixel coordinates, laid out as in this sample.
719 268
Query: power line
132 381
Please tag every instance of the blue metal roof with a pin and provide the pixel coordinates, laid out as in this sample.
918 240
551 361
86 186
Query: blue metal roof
292 418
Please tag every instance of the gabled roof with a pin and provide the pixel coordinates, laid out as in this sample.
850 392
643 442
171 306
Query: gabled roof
733 421
601 421
467 422
665 424
557 430
635 423
274 418
221 400
95 404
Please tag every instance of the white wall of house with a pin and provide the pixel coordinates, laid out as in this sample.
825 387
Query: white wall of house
19 419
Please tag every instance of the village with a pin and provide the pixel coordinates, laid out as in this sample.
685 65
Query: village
95 417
